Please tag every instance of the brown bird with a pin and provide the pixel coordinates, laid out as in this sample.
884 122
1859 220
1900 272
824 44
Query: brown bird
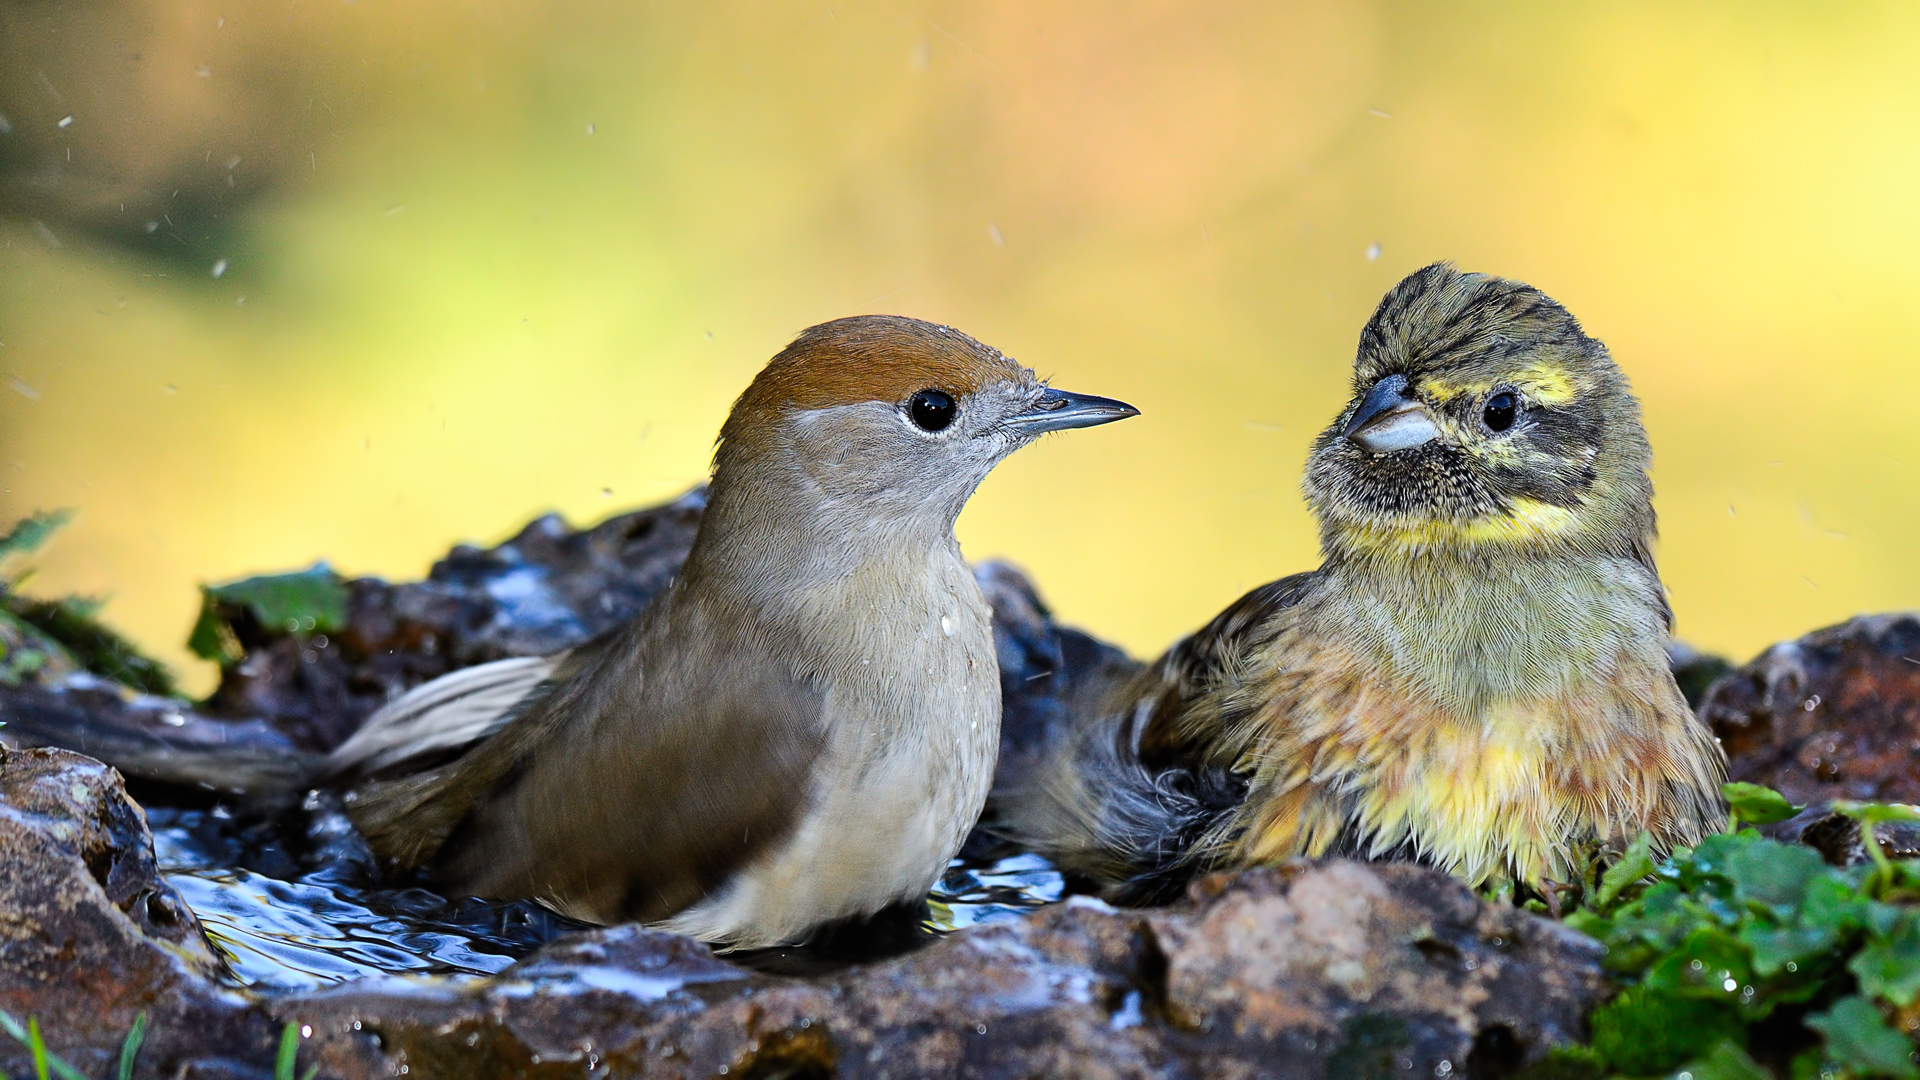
1475 677
802 727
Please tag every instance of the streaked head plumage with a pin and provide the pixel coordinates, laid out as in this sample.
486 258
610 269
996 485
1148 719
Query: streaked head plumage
1483 416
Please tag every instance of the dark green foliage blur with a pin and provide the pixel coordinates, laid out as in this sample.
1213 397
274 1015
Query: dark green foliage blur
312 601
1746 958
63 633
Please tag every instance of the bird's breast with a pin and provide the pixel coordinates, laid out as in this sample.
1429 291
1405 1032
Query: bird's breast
1351 758
913 728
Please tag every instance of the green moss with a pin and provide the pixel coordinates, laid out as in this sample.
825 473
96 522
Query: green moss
1371 1047
48 637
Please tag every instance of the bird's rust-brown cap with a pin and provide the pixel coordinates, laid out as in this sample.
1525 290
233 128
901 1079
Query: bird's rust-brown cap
866 358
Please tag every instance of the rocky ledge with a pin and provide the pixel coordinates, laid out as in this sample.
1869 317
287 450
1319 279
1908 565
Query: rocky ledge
1335 969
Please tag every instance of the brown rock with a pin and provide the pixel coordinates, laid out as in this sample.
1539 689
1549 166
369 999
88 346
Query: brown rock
91 936
152 738
546 589
1339 970
1833 715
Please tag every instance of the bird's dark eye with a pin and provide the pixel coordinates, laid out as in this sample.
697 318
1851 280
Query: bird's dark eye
933 410
1501 409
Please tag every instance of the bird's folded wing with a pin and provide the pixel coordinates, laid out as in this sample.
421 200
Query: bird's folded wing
656 791
448 713
1211 660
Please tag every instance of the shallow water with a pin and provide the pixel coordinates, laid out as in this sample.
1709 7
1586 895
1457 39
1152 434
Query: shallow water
299 920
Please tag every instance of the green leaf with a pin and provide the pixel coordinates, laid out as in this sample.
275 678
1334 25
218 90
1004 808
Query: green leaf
29 533
1872 813
1773 949
1637 863
37 1047
1726 1062
307 601
1890 967
1711 963
130 1049
43 1059
1833 901
1773 874
1857 1037
1646 1031
1757 804
289 1052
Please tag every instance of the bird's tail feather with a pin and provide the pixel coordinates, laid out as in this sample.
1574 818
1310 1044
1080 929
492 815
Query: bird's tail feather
450 712
1100 813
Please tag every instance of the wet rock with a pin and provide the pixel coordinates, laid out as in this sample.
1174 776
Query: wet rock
1048 673
1837 837
91 935
1833 715
152 738
1339 969
547 588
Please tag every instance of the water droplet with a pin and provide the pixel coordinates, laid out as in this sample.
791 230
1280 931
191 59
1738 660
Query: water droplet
66 122
219 267
1373 251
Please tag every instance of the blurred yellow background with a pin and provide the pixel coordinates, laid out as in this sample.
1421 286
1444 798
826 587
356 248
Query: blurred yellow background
482 260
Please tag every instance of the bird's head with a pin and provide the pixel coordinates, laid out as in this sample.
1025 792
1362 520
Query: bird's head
882 419
1483 420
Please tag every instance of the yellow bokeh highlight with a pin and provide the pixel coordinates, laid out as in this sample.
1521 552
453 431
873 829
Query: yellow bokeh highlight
540 248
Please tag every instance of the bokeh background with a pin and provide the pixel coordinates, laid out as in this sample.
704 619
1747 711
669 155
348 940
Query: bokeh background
293 279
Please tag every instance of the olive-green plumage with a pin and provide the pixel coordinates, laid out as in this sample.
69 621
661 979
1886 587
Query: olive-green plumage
1475 677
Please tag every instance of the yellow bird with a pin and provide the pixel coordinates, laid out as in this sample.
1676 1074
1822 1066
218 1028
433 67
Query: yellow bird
1475 678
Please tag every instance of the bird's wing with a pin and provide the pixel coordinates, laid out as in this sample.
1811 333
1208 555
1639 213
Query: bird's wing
1127 798
450 712
1210 661
637 784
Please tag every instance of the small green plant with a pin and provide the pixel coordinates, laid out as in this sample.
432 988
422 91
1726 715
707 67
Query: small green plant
303 602
65 633
289 1052
45 1062
1746 947
130 1048
48 1064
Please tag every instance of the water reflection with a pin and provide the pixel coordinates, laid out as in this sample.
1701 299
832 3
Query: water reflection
282 929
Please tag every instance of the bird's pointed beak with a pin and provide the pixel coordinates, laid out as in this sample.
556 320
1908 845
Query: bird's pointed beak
1058 410
1391 418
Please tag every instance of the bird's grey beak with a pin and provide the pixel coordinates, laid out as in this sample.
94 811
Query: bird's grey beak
1058 410
1391 419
